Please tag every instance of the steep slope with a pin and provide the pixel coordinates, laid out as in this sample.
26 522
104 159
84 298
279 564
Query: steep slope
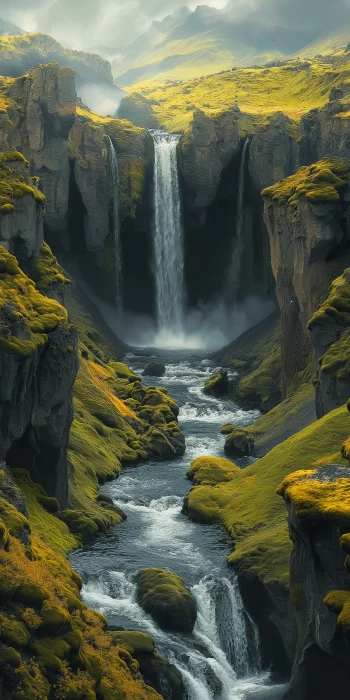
328 43
190 44
20 53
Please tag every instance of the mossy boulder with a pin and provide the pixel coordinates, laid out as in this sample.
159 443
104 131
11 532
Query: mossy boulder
217 384
79 524
134 642
211 470
13 632
262 388
164 595
239 443
155 369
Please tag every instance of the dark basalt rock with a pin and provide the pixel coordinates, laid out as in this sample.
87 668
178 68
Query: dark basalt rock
164 595
239 443
217 385
155 369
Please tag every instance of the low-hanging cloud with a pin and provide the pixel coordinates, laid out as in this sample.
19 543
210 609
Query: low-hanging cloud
112 24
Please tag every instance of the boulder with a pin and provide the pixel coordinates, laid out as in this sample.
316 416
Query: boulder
155 369
217 384
164 595
239 443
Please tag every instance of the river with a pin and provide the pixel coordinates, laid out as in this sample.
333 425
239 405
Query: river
220 660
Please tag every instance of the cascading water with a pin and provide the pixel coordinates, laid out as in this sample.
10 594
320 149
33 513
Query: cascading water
115 181
168 238
220 659
233 270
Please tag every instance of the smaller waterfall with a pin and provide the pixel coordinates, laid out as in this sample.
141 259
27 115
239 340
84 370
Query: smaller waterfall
233 271
168 238
115 181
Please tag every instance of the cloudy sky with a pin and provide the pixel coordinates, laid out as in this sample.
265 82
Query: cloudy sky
114 23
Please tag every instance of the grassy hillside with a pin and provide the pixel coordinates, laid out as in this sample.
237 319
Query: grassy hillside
293 87
328 43
187 44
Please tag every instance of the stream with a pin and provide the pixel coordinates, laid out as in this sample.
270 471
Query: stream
220 660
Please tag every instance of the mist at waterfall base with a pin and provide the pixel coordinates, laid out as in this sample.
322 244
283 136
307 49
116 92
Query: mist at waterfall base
208 327
100 98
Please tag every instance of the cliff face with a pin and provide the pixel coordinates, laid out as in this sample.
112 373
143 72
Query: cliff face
273 152
69 151
20 53
318 516
307 218
205 152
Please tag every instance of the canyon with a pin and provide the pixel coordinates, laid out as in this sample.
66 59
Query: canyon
154 225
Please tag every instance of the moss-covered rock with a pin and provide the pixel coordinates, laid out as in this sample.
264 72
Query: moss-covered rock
13 632
262 387
239 443
79 524
217 384
211 470
155 369
164 596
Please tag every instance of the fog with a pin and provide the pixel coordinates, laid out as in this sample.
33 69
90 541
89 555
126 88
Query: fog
92 24
209 327
103 99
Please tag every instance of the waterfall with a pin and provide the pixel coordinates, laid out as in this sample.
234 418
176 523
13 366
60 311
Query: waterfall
168 239
115 182
233 271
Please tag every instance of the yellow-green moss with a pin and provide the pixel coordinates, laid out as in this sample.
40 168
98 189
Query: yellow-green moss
321 182
249 507
211 470
313 499
13 184
47 270
164 595
262 387
39 314
339 602
337 305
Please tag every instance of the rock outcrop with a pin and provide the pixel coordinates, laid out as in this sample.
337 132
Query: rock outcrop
329 333
273 152
164 596
307 217
319 515
22 52
204 153
69 148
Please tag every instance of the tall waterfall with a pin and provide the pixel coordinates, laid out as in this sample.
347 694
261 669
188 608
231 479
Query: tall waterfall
168 238
115 181
233 270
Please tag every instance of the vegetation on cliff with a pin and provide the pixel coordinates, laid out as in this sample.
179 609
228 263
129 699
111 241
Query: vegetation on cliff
15 182
26 316
321 182
293 87
249 507
47 271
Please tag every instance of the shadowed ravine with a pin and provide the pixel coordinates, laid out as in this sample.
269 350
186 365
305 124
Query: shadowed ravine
220 660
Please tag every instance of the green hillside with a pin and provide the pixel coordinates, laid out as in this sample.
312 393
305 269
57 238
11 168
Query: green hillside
187 45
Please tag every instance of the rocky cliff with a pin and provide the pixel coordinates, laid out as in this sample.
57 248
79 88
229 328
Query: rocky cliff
307 217
318 514
69 151
20 53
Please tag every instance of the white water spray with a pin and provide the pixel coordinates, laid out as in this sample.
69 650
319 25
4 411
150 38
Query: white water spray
115 181
233 271
168 238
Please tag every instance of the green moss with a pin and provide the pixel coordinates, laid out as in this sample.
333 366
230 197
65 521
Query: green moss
14 185
29 308
211 470
249 507
321 182
50 651
47 270
50 504
239 442
13 633
339 602
79 525
262 387
124 372
30 593
164 595
217 384
336 307
9 655
134 642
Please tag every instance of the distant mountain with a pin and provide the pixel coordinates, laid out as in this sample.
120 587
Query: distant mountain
19 53
9 29
328 43
189 44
